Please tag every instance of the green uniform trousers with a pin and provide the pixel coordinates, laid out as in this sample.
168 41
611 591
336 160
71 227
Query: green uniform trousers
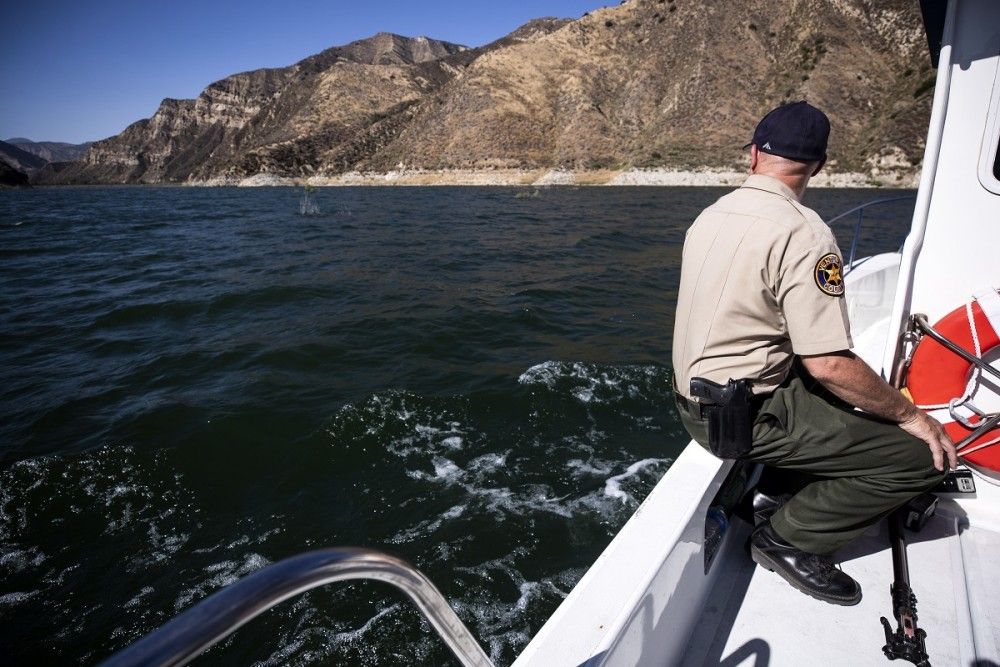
861 467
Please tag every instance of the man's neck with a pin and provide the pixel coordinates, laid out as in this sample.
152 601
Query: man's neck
797 183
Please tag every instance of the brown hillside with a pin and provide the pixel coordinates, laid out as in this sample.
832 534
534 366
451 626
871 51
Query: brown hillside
673 83
681 84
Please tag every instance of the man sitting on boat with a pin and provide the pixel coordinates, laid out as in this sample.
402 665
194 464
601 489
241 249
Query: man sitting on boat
761 301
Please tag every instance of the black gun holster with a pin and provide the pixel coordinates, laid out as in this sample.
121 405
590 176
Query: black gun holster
730 418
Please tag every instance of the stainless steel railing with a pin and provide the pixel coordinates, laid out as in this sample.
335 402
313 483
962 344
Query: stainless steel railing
860 210
220 614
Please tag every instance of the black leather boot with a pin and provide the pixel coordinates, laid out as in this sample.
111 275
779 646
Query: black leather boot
766 504
810 573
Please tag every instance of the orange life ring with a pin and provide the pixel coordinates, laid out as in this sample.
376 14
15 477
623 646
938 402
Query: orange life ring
938 376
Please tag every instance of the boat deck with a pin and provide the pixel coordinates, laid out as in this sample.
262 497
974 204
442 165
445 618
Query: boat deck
754 618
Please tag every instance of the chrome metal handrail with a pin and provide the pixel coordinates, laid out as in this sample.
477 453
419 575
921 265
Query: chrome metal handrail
860 210
220 614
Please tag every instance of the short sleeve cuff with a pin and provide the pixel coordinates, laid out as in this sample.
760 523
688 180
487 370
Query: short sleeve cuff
824 346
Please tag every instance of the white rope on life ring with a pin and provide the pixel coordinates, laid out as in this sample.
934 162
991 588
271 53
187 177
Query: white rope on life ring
935 372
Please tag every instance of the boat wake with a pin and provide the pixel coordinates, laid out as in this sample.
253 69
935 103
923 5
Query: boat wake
499 481
502 497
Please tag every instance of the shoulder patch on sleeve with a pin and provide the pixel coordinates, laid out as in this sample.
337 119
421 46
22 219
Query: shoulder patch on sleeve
828 275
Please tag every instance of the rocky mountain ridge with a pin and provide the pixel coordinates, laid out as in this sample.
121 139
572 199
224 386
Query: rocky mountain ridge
270 118
51 151
673 84
10 177
19 159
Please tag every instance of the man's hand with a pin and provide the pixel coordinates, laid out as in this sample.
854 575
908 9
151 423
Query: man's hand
930 431
852 380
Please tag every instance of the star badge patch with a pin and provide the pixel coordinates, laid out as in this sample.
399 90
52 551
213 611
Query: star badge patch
828 275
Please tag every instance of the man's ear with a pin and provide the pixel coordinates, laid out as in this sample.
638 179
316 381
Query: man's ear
753 158
818 167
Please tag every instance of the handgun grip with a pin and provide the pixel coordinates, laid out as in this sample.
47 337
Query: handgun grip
708 391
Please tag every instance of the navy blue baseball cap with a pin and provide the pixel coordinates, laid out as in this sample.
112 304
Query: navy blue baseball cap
797 131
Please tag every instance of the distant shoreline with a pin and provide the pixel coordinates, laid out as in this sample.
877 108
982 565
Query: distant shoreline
528 178
549 177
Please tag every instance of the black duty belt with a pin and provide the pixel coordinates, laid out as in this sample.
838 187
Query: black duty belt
700 410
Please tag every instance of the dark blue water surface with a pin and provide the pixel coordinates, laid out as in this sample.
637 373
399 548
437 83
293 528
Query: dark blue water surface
199 382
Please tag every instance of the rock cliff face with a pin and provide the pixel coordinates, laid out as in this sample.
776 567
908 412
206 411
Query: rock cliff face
649 83
285 121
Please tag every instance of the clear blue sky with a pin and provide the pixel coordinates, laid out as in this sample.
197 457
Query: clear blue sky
77 70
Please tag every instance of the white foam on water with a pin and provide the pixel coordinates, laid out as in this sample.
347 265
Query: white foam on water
426 429
602 503
533 590
251 538
613 485
597 383
427 527
545 373
512 640
505 627
577 475
454 512
12 599
594 467
110 488
13 512
646 422
53 578
446 470
135 601
292 650
164 546
489 463
19 560
354 635
222 574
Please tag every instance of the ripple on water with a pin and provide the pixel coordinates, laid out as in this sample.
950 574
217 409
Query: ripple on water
198 382
463 495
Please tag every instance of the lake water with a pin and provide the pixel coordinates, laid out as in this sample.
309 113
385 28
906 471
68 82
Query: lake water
199 382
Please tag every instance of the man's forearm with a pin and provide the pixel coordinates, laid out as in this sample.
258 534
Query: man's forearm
852 380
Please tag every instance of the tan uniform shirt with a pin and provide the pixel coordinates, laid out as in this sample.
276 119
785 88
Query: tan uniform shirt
760 282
